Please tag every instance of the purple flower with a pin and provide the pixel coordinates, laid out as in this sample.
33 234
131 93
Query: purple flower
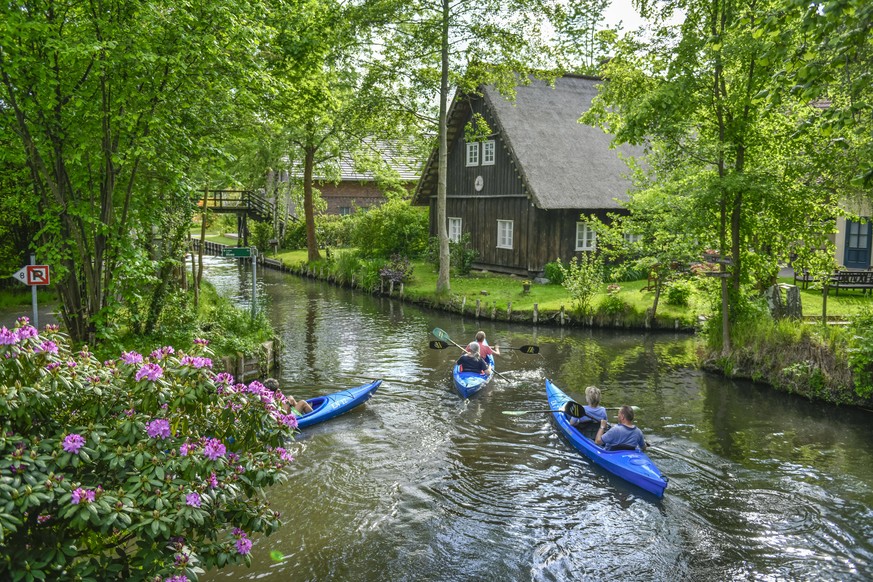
25 332
257 388
161 353
196 362
223 378
131 358
158 428
177 578
73 442
47 346
23 320
284 454
201 342
40 519
150 372
287 420
193 499
52 366
214 449
185 449
82 495
213 481
71 363
243 544
7 337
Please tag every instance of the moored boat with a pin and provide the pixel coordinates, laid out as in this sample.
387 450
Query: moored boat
469 383
336 403
633 466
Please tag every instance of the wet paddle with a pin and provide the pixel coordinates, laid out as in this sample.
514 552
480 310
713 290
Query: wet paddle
441 345
523 412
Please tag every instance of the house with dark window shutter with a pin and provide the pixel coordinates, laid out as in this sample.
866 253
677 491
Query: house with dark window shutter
520 192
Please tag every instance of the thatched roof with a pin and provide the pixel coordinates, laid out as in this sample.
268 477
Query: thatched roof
563 163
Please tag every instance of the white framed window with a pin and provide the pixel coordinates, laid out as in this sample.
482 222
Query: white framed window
586 238
504 234
454 229
631 238
488 153
473 153
345 210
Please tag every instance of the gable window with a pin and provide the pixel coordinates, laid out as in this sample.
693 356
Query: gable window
488 153
586 238
454 229
473 154
504 234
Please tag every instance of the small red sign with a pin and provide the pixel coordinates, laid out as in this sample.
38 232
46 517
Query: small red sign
37 275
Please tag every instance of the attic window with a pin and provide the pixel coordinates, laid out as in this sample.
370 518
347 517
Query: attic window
473 153
504 234
488 153
586 238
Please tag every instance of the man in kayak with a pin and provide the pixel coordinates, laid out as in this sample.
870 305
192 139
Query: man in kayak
297 407
484 349
622 436
471 361
595 413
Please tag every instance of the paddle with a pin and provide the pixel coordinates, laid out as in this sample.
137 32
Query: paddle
445 337
441 345
523 412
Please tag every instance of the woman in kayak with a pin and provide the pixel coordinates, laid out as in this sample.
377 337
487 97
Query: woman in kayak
471 361
595 413
622 436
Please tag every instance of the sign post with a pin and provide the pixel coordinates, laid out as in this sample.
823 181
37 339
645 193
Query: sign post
34 275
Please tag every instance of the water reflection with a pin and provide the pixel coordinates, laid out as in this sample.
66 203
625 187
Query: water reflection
418 484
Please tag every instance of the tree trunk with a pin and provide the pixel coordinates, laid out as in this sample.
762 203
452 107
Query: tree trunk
443 281
309 206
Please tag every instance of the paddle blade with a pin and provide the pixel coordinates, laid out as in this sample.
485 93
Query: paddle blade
574 409
529 349
441 334
516 412
438 345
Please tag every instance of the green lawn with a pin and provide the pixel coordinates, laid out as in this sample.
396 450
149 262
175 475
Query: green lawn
215 237
498 290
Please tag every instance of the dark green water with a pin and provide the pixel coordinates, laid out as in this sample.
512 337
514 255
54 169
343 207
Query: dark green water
420 485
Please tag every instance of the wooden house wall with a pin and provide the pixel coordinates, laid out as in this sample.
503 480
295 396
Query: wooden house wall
539 236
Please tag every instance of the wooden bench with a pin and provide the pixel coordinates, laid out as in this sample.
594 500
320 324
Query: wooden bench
851 280
804 277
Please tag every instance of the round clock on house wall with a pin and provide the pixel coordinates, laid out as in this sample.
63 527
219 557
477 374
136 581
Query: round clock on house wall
478 183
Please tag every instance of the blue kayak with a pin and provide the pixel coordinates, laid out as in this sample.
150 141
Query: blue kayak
633 466
331 405
468 383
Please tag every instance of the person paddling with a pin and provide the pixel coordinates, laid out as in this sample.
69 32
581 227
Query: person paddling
622 436
471 361
484 349
296 407
594 413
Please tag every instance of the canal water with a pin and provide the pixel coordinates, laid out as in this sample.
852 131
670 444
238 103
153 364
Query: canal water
419 484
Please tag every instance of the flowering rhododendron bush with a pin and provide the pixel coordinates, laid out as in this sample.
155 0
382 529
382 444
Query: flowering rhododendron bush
143 467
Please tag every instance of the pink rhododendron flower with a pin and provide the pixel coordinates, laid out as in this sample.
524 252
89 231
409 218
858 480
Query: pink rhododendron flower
7 337
193 499
73 442
150 372
158 428
131 358
214 449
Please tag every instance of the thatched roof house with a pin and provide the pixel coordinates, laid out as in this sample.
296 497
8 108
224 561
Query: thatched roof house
520 192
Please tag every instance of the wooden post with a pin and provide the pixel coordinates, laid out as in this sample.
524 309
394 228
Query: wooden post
562 315
390 287
478 307
536 312
509 311
401 289
463 303
824 303
494 311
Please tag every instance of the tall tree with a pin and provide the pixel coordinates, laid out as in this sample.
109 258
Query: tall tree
103 94
433 46
692 93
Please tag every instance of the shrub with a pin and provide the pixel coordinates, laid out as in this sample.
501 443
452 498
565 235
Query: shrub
462 255
583 277
554 272
347 266
612 304
860 352
262 234
396 227
678 293
136 468
398 269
